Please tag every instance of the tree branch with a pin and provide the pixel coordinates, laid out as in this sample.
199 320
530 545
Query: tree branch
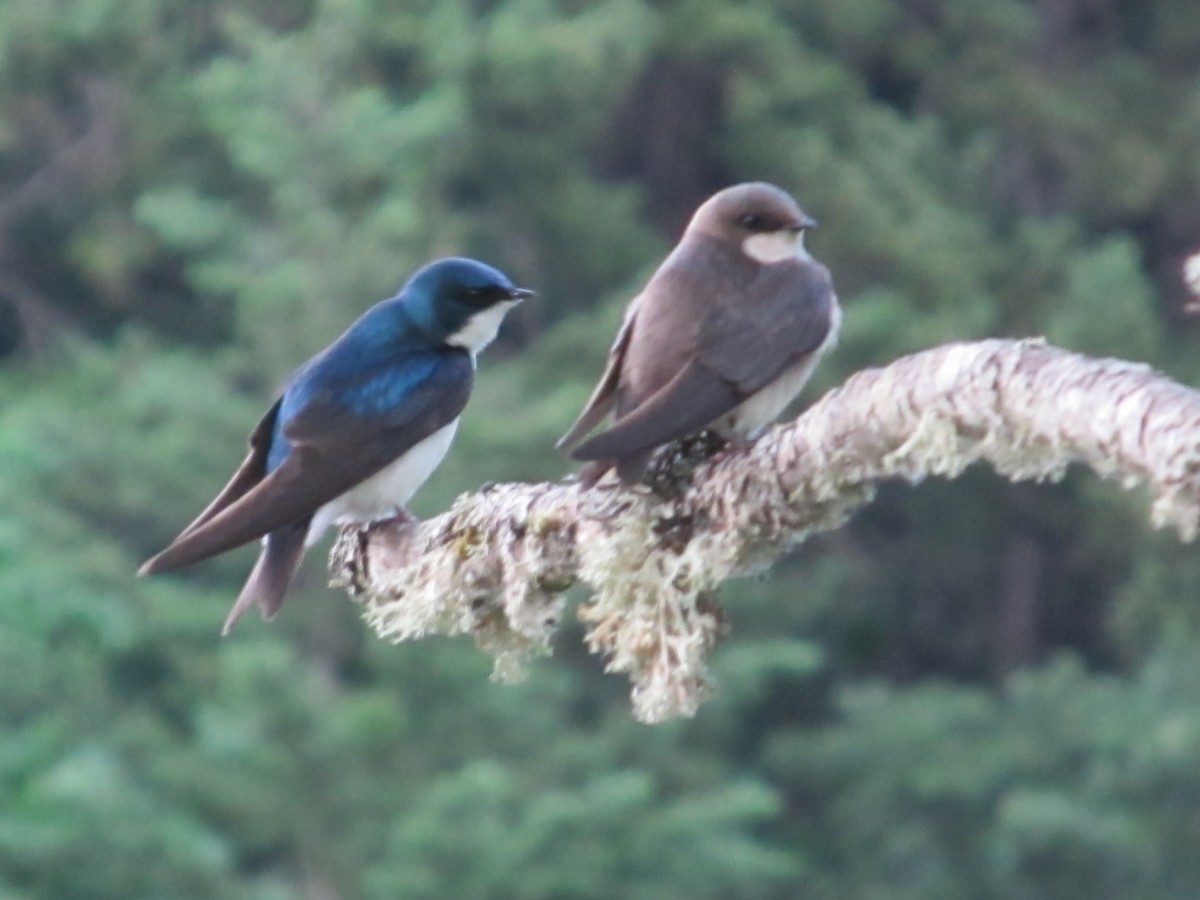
496 565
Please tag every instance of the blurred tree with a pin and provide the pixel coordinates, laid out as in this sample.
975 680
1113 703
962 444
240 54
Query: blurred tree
1065 785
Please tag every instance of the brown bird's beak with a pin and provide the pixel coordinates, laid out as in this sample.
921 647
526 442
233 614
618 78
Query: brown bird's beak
804 222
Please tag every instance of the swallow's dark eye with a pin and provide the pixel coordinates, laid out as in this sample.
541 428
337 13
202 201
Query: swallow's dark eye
485 295
755 222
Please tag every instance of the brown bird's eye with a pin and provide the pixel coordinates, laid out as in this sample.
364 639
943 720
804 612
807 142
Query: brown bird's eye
755 222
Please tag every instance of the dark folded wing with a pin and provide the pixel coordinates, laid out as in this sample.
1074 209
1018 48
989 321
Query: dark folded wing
605 395
784 315
338 439
683 406
252 470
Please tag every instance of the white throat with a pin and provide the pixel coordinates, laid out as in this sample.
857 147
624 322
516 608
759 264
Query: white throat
776 246
481 328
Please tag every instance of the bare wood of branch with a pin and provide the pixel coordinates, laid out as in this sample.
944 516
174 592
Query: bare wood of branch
496 565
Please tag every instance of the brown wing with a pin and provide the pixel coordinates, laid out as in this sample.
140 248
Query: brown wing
604 397
685 405
784 315
252 470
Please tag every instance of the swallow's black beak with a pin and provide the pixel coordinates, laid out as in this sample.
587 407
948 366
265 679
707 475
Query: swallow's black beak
521 293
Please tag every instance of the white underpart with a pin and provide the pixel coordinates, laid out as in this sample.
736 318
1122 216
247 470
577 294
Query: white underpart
481 328
758 411
776 246
387 491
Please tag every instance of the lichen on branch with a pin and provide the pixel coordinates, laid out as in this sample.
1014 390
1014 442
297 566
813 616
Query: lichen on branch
497 564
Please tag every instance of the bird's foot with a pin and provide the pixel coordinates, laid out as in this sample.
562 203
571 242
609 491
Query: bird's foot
398 521
671 470
737 442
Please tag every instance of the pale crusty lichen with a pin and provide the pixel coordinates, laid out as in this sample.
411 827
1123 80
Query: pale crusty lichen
649 615
496 565
498 580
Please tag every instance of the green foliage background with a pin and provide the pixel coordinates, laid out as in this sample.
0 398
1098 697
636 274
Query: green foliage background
976 690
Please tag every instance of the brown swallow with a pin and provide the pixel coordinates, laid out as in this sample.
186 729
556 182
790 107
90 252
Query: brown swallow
724 335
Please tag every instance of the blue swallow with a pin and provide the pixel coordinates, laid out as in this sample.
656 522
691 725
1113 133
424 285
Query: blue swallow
358 429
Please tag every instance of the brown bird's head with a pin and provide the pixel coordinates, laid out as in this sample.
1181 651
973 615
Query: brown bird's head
761 218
